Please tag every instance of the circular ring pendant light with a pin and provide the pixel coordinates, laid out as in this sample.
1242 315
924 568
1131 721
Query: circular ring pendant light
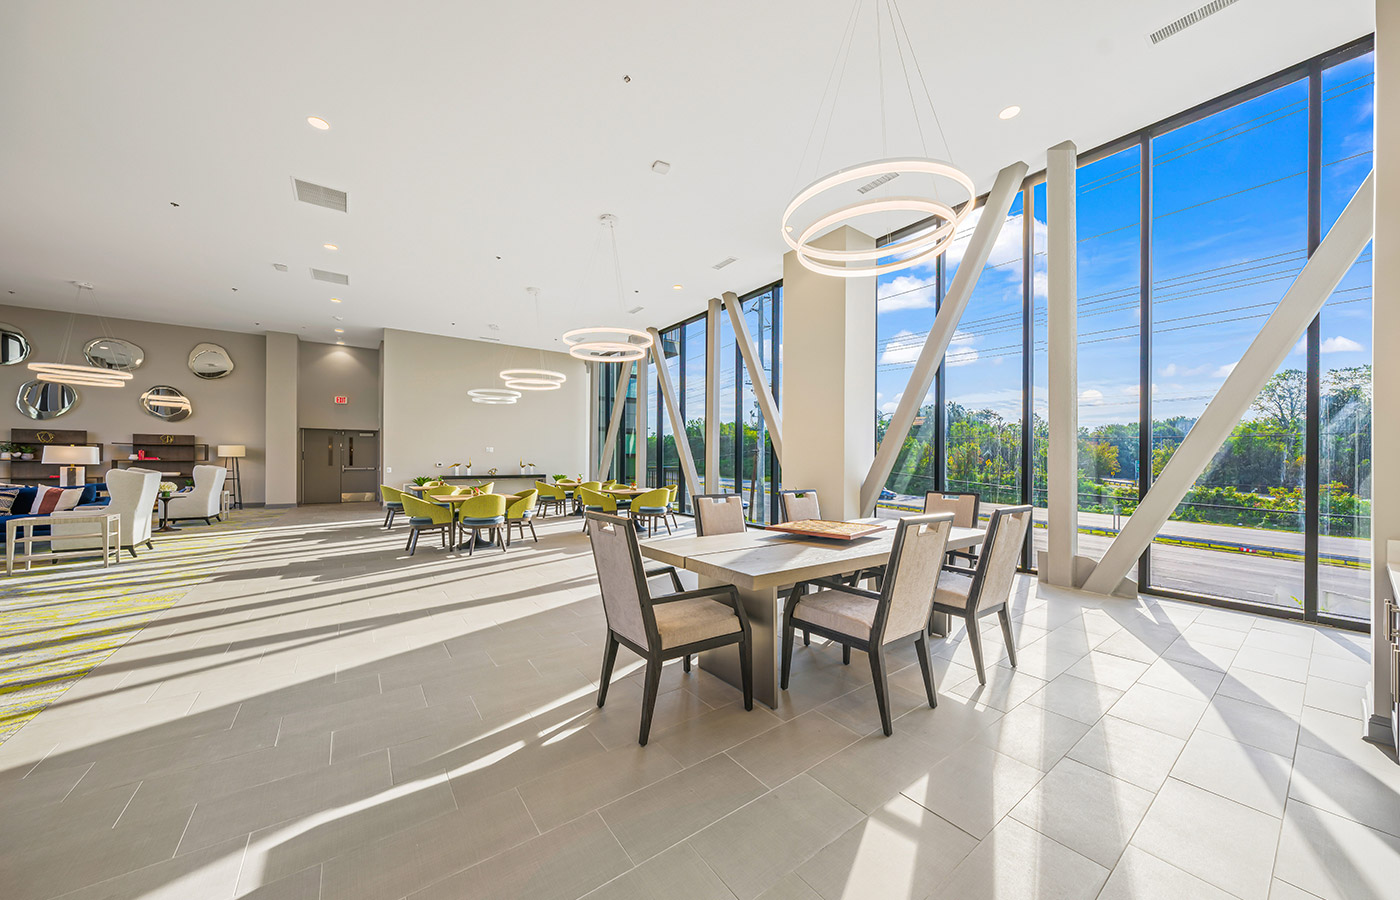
533 379
608 343
494 396
88 376
939 219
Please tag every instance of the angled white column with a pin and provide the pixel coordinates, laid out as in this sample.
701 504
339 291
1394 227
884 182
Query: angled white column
673 412
979 248
712 367
771 421
1266 353
1062 340
605 455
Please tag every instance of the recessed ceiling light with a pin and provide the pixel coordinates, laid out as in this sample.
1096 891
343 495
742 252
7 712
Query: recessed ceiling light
1010 112
335 299
340 331
675 287
330 246
318 123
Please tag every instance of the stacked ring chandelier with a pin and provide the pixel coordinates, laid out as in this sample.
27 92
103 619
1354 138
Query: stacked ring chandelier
533 379
87 376
608 343
914 196
494 396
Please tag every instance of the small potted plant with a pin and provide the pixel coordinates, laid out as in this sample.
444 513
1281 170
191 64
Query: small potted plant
166 488
26 452
7 449
422 480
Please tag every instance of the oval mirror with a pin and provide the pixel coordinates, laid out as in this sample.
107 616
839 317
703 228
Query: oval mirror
166 402
114 353
45 399
14 346
210 361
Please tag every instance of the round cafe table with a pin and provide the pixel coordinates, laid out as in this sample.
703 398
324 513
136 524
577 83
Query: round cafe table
165 525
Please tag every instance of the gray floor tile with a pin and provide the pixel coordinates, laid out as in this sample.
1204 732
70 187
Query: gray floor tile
595 781
875 768
1249 723
1264 690
1035 736
1332 856
1108 670
678 872
1346 788
974 787
753 847
1015 862
714 731
792 748
1072 696
1235 770
1088 811
1142 876
1160 710
1134 753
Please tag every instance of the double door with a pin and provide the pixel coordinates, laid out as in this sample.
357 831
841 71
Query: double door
339 466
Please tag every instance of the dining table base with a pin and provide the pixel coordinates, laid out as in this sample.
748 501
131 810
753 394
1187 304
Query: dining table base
766 637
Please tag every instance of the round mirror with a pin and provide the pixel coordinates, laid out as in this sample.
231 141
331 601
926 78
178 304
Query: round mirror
114 353
210 361
166 402
45 399
14 346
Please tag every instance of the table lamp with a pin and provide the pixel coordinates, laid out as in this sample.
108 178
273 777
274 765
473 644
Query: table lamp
73 459
232 453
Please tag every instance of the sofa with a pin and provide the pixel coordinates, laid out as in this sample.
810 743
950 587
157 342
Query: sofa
132 496
205 501
93 495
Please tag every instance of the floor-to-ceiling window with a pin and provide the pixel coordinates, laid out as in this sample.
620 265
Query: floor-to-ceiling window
691 390
755 465
1237 194
624 451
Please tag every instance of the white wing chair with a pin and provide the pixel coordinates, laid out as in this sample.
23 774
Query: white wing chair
204 501
133 496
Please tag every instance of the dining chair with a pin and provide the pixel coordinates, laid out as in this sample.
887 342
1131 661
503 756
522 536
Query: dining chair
551 498
719 514
871 621
487 488
795 505
649 507
393 503
671 502
658 628
595 501
964 507
436 490
484 511
426 516
520 515
988 590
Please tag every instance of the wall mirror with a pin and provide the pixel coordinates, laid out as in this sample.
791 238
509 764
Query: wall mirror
14 346
167 403
45 399
114 353
210 361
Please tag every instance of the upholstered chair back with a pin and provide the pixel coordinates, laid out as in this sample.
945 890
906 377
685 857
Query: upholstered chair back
618 559
799 505
911 576
996 569
962 506
719 514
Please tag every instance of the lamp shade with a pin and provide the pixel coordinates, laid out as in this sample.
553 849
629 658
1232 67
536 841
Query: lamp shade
234 450
72 456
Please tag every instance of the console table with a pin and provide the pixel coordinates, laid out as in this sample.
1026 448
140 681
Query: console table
105 526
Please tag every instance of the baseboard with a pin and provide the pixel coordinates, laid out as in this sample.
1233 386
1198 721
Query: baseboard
1378 728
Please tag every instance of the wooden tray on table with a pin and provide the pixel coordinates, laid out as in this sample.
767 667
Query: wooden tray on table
823 528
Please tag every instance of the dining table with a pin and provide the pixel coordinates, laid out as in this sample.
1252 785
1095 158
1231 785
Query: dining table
763 565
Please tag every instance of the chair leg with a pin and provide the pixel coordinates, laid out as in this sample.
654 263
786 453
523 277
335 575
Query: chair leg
746 668
471 542
882 687
532 533
609 657
149 545
975 640
921 645
653 685
504 543
132 551
806 638
1005 618
788 630
667 524
685 663
412 542
388 516
845 654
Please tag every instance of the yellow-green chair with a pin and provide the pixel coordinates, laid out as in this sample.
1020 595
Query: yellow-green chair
486 511
437 490
425 516
594 501
551 498
520 515
671 504
649 507
590 485
393 503
487 488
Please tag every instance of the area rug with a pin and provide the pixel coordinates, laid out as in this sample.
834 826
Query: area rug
62 619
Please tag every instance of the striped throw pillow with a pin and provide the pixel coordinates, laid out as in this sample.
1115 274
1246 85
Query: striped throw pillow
50 500
7 500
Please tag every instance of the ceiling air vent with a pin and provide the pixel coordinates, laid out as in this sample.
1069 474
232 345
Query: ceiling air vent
320 195
636 309
867 188
1186 21
281 267
331 277
724 262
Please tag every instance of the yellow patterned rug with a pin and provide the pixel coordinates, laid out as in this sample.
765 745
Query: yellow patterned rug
62 619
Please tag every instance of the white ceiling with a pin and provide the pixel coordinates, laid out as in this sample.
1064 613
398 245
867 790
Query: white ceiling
465 132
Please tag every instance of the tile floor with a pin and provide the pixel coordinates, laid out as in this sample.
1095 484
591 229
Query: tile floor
328 718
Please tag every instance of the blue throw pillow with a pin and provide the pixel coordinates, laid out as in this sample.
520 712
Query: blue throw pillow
23 501
89 494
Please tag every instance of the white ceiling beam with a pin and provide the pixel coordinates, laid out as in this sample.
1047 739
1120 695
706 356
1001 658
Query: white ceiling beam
673 411
772 422
979 248
1300 304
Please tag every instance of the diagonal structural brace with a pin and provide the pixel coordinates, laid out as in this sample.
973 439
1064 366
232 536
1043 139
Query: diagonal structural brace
766 405
1300 304
979 248
673 411
605 456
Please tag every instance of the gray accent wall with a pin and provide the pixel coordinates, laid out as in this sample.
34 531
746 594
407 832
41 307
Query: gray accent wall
428 417
327 371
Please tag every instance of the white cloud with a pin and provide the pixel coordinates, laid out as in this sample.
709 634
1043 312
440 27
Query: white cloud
1340 344
902 349
907 292
1170 370
960 350
1225 370
1090 397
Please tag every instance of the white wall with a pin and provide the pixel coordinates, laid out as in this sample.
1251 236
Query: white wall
227 410
428 417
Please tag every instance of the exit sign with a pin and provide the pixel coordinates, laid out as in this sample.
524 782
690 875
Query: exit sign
342 400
